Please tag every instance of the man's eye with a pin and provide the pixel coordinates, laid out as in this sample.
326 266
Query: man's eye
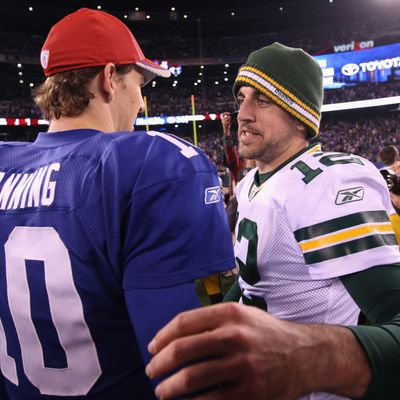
263 100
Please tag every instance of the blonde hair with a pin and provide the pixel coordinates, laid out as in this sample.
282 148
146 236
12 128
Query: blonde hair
66 94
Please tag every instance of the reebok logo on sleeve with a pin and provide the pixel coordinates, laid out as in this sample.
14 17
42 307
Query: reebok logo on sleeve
212 195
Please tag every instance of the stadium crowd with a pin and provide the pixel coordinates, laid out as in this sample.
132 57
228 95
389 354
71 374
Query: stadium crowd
210 99
320 37
361 136
316 38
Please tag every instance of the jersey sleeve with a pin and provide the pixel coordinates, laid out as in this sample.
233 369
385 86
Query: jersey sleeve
3 391
176 231
151 309
343 225
377 293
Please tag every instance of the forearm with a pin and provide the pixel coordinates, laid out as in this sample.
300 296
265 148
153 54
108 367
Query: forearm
381 344
327 358
266 357
377 292
330 359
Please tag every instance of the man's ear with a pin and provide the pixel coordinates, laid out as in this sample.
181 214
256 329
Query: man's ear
108 84
300 127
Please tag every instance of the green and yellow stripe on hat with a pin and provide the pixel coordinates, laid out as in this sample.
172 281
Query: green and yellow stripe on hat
290 77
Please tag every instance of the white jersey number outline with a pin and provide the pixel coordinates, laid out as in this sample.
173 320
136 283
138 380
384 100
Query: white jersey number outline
186 150
83 367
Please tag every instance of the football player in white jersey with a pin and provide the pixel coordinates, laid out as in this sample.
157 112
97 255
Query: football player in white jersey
314 245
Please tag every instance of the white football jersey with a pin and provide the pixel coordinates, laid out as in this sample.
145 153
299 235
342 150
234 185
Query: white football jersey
315 218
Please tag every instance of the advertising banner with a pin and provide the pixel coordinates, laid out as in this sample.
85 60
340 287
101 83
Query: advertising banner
377 64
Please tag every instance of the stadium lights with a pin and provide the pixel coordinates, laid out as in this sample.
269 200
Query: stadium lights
21 81
148 16
125 16
202 66
99 7
185 16
174 119
31 85
19 65
30 9
22 121
173 9
351 105
216 82
184 119
387 2
226 65
232 14
20 73
331 1
280 8
226 79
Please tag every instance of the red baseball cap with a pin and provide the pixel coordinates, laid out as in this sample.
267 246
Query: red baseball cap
88 38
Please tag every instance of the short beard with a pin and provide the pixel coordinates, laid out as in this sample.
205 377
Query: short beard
260 153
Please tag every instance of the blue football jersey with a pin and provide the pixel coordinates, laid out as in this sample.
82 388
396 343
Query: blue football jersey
87 217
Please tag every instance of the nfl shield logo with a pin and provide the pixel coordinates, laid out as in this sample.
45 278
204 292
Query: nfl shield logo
44 58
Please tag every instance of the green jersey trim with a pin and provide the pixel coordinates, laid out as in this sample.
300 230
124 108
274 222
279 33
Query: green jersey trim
260 179
351 247
337 224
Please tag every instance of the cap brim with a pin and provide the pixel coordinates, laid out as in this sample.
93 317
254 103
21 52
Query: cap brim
151 70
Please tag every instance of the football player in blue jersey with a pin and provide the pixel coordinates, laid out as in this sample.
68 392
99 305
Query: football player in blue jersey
103 230
314 245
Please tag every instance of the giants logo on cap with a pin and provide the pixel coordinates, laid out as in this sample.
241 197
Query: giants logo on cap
44 58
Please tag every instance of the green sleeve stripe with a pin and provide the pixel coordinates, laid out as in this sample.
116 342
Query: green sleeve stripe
340 223
347 248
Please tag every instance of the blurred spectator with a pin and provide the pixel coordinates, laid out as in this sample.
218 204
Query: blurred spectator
389 155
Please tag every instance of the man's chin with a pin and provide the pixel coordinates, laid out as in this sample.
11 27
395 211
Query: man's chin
245 152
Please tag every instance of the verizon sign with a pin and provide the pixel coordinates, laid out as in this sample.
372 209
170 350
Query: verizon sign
367 44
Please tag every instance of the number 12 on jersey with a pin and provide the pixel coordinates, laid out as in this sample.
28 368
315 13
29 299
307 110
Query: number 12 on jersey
248 270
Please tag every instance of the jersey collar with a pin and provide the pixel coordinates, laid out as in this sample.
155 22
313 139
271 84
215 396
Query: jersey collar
48 139
260 179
